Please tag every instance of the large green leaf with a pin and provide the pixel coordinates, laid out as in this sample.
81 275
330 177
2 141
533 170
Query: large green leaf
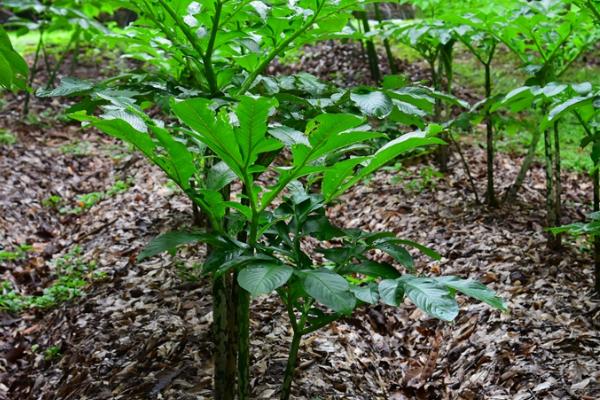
171 240
366 293
372 269
219 176
374 104
211 129
399 253
474 289
329 289
430 296
385 154
68 86
423 249
391 292
180 158
252 115
13 68
263 279
572 104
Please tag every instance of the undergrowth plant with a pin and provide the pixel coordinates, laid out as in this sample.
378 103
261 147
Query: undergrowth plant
583 101
548 37
72 275
76 16
265 251
236 130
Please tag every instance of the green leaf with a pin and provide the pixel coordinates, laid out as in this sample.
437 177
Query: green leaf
569 105
474 289
288 136
329 289
213 130
263 279
179 156
67 87
582 88
399 253
423 249
170 241
373 269
517 99
219 176
552 89
391 292
430 296
373 104
335 175
13 68
385 154
367 293
250 136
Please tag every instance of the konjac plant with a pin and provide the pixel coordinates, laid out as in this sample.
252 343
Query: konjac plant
197 104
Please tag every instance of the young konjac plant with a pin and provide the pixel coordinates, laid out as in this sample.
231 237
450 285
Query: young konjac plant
548 37
268 254
583 102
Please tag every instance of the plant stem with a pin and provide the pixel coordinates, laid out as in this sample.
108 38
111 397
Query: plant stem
511 194
62 58
386 42
76 51
549 169
371 52
190 36
243 326
288 376
224 372
242 297
594 11
490 194
298 328
557 182
467 169
444 68
596 238
208 67
33 72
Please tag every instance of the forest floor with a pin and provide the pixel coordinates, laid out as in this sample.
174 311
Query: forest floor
142 330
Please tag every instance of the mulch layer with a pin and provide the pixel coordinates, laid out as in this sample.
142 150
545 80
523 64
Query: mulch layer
143 332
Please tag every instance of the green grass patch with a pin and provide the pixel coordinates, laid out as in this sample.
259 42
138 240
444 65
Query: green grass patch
7 138
86 201
77 148
427 178
19 253
73 274
27 43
